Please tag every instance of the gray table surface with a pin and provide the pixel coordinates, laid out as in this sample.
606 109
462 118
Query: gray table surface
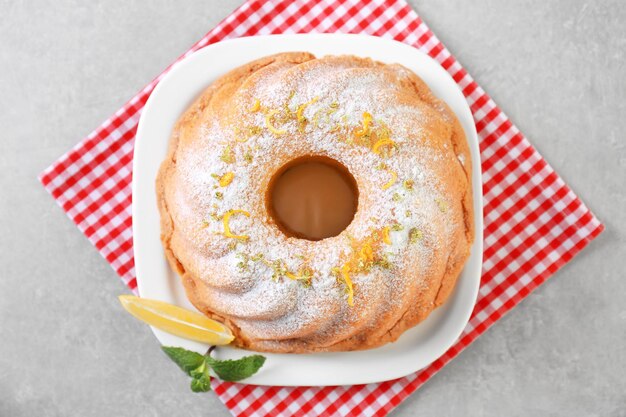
557 68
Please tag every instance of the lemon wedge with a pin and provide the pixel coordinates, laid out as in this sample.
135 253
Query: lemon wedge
177 320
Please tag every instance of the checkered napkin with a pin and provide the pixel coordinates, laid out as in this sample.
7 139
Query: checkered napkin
534 223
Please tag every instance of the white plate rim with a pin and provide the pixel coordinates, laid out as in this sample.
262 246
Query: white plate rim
416 348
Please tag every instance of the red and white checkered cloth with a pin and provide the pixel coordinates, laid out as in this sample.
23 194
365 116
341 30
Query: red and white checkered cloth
534 223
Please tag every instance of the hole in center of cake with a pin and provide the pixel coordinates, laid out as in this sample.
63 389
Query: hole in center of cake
312 197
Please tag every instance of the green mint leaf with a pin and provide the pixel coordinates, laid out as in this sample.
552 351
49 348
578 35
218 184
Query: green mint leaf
238 369
201 381
187 360
202 384
199 371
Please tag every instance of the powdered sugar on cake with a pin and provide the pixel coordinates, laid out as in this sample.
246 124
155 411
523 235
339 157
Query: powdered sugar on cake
415 207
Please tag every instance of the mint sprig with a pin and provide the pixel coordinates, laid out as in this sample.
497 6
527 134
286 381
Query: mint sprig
237 369
198 366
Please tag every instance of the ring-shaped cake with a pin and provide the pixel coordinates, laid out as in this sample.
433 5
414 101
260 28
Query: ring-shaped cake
397 260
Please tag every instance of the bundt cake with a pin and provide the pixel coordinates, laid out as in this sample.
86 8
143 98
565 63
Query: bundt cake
317 204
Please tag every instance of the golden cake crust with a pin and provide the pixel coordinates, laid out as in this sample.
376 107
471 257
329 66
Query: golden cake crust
409 239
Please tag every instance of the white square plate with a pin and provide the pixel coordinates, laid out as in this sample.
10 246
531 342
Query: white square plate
417 347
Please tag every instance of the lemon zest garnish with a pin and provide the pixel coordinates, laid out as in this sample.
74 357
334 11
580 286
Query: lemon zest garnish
257 257
228 155
380 144
367 120
226 179
383 131
237 133
443 205
392 181
316 117
345 274
372 131
226 221
366 252
415 235
270 126
386 237
304 274
300 112
334 107
256 106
